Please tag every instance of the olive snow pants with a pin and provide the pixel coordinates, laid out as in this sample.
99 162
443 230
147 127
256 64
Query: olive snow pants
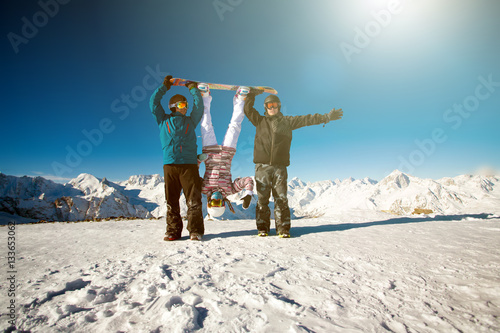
184 177
272 179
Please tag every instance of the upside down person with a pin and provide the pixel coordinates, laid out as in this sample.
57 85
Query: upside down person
217 180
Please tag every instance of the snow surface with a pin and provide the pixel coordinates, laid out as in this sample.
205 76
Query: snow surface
358 259
359 271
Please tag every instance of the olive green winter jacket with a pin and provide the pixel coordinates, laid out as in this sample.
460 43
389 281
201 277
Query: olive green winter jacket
273 135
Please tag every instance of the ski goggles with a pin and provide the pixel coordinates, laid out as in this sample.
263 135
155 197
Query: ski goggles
216 203
272 105
180 105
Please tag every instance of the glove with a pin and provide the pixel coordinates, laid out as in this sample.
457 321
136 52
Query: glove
191 84
167 82
335 114
255 92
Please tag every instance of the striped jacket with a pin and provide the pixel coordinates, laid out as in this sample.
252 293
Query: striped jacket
218 172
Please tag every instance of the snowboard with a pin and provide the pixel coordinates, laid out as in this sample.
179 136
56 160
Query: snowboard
221 86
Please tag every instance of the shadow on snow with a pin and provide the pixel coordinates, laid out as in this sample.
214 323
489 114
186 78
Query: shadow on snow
298 230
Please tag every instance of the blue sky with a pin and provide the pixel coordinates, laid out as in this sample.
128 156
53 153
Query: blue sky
418 80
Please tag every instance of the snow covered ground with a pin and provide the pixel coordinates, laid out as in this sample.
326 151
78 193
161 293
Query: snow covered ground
355 271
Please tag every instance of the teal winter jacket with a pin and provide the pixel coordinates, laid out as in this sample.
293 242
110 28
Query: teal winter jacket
177 131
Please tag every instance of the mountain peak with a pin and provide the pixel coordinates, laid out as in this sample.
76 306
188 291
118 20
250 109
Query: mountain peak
296 183
85 177
142 180
91 185
397 172
368 180
397 179
349 180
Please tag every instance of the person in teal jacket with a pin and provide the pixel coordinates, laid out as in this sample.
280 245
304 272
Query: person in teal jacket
180 164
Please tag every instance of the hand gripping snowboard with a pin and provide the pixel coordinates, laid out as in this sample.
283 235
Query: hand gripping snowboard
220 86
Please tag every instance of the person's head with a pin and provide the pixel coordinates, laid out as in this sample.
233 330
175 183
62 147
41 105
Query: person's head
178 103
272 104
216 205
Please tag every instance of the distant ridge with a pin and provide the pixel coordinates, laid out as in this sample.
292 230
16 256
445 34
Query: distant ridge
142 196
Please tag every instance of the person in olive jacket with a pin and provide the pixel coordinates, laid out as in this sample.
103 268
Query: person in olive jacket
180 163
273 138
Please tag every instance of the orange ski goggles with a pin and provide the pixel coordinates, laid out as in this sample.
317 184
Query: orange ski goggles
180 105
272 105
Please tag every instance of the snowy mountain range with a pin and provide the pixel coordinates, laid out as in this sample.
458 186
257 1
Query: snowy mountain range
87 197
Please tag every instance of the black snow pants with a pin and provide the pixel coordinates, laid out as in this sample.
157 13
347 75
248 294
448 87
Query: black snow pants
272 179
185 177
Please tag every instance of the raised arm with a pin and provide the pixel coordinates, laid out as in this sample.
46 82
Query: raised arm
197 111
155 101
253 115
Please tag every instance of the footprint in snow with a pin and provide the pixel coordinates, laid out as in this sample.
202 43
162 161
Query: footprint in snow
166 271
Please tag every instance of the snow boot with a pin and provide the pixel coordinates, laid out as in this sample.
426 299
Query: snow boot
169 238
204 89
242 93
195 237
246 201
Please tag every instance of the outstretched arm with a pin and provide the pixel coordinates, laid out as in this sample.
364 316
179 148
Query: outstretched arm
315 119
